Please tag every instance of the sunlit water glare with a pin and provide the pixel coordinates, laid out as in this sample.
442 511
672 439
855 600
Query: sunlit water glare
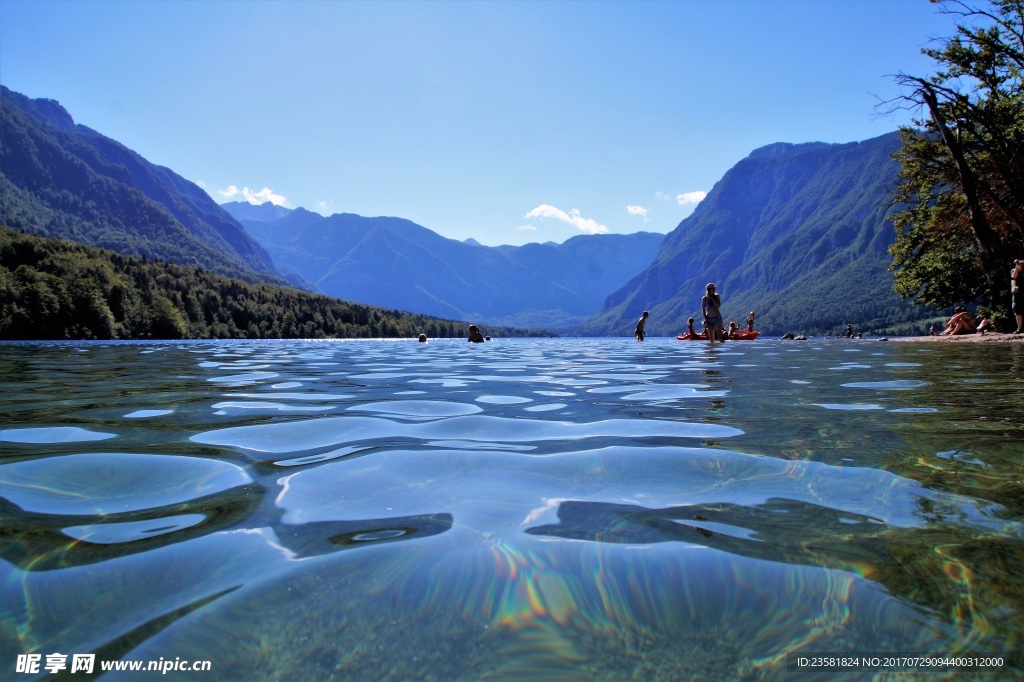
592 509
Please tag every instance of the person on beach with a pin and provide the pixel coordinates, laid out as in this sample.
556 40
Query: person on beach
640 326
474 334
1017 300
709 307
750 321
962 322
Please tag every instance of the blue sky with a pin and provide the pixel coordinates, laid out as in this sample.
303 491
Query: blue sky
508 122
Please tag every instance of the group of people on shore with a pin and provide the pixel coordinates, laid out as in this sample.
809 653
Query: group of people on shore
962 322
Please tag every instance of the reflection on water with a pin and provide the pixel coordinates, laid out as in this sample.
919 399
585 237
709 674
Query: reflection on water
579 509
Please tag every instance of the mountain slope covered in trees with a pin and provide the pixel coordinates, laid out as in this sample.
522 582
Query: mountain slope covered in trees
59 179
55 289
796 232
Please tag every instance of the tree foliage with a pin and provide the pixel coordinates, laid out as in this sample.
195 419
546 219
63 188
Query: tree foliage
53 289
961 191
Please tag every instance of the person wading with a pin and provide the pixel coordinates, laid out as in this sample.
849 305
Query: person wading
640 326
709 306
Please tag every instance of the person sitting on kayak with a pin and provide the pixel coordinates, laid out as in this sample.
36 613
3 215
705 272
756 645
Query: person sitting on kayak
689 328
734 331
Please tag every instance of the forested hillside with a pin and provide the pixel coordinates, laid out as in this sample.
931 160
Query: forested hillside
59 179
796 232
54 289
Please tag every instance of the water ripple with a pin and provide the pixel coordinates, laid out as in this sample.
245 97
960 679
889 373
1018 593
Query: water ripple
895 385
850 406
53 434
417 408
331 431
132 531
111 483
146 414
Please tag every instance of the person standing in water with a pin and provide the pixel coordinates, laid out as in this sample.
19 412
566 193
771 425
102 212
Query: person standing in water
750 321
709 307
640 326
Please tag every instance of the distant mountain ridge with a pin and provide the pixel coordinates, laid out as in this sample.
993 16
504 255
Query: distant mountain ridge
395 263
796 232
59 179
258 213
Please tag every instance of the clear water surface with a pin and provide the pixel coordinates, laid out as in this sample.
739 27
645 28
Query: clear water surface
593 509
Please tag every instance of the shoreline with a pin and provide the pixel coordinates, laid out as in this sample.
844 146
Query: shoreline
988 337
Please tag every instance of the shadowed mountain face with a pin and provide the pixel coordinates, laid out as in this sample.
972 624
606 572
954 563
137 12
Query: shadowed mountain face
796 232
59 179
396 263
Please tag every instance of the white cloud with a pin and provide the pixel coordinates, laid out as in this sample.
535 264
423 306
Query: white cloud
531 228
638 211
663 196
231 192
573 217
691 197
261 197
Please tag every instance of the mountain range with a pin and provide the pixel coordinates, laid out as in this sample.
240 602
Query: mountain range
797 232
395 263
61 179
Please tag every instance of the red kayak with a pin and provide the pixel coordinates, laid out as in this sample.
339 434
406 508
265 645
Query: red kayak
738 336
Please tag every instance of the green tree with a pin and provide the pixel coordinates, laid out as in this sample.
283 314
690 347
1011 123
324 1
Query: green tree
167 322
961 192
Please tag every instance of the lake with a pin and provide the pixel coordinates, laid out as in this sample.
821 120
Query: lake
592 509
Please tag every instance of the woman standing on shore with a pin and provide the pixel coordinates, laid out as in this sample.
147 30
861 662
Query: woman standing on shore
709 306
1017 304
